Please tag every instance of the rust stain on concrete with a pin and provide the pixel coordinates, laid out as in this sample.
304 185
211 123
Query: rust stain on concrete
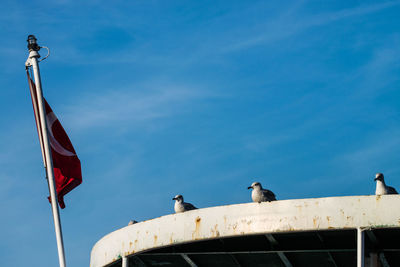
316 221
196 233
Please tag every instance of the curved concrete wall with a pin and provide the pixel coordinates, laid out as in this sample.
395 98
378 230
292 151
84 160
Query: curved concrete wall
249 218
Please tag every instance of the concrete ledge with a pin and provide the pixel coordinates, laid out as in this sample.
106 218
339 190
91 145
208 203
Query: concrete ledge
246 219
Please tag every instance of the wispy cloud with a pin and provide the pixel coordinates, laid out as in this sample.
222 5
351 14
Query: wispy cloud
133 106
377 153
286 26
382 68
374 153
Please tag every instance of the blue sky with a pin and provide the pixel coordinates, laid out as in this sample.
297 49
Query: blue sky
198 98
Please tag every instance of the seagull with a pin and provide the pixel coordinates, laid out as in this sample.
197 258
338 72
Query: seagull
261 195
132 222
381 187
181 206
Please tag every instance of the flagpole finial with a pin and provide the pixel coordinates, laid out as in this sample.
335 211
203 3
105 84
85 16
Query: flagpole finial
32 43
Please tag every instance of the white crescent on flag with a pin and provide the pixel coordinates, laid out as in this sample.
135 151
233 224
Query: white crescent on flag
51 118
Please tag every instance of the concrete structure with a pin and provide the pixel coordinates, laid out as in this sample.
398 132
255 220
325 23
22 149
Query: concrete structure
322 229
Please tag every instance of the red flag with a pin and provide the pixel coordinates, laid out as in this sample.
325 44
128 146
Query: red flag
66 164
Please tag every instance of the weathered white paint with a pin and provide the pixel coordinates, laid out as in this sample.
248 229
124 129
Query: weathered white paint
250 218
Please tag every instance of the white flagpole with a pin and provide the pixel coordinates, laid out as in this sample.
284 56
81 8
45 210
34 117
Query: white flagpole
33 62
36 112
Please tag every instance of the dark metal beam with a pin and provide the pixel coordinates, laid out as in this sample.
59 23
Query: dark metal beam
262 252
375 242
329 254
231 255
383 260
188 260
281 255
137 260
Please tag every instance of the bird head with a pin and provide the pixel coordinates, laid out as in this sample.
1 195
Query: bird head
132 222
379 177
255 185
178 198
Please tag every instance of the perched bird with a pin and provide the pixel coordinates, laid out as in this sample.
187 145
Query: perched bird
261 195
381 187
181 206
132 222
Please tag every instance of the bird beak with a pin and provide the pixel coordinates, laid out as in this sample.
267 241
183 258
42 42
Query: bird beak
375 179
174 198
249 187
